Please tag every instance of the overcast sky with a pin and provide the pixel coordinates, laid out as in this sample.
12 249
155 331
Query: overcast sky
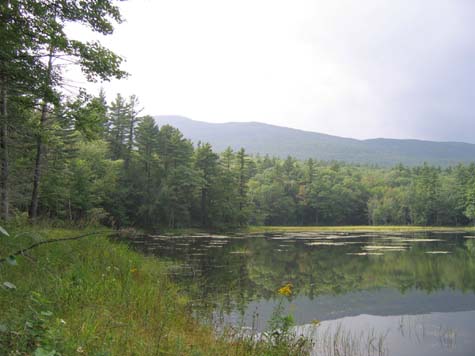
363 69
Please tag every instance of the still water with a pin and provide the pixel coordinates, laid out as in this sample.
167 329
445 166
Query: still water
376 293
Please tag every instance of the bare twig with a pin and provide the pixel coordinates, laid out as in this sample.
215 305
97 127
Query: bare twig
36 244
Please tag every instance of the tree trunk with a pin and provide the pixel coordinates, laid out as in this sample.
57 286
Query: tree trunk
130 143
204 207
241 180
4 186
33 211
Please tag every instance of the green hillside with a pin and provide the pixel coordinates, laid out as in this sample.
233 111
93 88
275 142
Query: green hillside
279 141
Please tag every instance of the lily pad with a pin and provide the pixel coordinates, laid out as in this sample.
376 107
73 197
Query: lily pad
420 240
325 243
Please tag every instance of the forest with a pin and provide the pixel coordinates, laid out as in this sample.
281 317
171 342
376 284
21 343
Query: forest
68 155
103 163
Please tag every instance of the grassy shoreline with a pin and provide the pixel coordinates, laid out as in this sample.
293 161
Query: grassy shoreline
95 297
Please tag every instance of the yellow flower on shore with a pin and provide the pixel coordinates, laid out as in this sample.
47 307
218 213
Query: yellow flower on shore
134 270
285 290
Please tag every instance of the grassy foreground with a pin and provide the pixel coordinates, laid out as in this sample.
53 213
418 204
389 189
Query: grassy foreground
95 297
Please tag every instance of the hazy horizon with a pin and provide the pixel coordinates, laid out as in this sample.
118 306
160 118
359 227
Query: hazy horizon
292 128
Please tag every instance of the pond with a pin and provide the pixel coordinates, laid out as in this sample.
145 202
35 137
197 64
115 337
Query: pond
374 293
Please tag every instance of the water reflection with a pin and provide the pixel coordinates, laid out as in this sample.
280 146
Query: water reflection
336 276
418 335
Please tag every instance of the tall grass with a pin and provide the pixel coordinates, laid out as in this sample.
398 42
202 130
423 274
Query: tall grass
95 297
335 340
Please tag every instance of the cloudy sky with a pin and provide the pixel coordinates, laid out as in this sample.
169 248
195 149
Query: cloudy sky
363 69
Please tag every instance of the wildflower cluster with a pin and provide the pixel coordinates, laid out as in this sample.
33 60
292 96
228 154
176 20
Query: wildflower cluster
286 290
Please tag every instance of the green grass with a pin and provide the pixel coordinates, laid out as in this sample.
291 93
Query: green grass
95 297
369 228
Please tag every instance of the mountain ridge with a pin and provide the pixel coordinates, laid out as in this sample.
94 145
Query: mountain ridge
280 141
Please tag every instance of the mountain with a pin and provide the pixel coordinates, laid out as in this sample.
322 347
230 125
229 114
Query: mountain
280 141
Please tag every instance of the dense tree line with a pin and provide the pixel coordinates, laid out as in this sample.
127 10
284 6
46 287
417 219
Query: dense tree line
105 163
318 193
79 158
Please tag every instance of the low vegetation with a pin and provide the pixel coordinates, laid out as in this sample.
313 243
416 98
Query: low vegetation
94 297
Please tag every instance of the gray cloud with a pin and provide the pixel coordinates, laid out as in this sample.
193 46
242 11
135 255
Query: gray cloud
368 68
417 60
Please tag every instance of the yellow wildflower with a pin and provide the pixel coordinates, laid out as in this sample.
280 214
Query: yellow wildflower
134 270
286 290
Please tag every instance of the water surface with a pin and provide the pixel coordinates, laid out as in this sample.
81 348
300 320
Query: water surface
414 291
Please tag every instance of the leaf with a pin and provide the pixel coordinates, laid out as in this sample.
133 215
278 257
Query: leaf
42 352
4 232
3 328
11 260
9 285
46 313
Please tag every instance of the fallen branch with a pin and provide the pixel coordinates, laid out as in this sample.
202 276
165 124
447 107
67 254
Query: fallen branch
36 244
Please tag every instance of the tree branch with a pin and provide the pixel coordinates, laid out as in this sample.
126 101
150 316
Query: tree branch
36 244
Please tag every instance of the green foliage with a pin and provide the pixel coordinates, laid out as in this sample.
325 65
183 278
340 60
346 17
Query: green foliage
11 260
470 202
103 299
80 160
281 336
106 165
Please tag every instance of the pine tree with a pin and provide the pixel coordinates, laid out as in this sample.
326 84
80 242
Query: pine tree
206 164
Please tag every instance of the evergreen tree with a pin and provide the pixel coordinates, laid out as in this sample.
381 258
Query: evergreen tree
52 43
147 172
206 165
118 125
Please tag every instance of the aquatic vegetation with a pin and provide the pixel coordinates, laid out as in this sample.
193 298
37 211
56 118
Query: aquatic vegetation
385 248
420 240
331 341
326 243
241 252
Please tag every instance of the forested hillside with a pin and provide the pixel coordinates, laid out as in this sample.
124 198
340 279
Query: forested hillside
71 156
103 163
259 138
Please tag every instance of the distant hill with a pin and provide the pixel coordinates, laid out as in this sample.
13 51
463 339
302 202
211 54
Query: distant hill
280 141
